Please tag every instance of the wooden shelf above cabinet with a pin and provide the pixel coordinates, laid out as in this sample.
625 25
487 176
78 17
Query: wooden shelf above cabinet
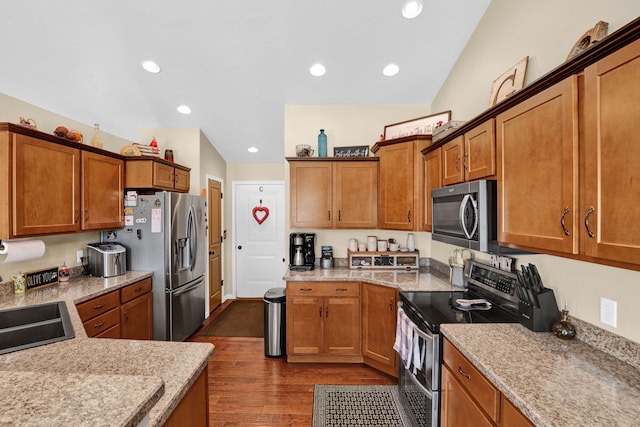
153 173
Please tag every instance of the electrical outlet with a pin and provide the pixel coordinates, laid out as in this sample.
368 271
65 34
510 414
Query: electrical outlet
79 256
609 312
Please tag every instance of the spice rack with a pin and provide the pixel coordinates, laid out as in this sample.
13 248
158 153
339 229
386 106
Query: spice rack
384 260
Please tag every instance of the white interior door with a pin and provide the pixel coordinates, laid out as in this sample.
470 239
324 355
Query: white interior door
258 237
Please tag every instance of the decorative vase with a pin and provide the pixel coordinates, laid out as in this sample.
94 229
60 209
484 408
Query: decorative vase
563 328
96 141
322 144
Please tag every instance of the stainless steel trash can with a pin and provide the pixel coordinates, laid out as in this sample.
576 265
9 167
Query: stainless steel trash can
275 323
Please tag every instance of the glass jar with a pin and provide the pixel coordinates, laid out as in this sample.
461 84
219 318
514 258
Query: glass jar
563 328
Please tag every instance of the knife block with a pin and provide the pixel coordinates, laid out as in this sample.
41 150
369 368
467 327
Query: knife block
540 319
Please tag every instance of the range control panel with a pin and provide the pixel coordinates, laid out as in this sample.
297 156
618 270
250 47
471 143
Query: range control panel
500 282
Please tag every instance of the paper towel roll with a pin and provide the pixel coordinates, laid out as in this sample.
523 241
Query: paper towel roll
22 250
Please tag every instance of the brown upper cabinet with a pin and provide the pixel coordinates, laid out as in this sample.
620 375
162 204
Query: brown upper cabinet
609 229
334 193
401 183
432 179
153 173
470 156
569 177
538 155
566 168
55 187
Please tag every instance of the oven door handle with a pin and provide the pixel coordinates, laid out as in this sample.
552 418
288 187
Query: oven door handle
422 388
468 199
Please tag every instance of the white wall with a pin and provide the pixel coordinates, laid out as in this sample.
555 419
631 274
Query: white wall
545 30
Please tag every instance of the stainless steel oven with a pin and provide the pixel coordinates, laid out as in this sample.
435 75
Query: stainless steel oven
489 297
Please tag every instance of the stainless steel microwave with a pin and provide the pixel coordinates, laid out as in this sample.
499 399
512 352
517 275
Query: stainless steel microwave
466 215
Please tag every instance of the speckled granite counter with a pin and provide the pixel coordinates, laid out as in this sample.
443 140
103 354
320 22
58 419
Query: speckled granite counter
553 382
94 381
425 279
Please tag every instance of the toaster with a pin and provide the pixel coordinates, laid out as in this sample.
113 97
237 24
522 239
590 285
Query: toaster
106 259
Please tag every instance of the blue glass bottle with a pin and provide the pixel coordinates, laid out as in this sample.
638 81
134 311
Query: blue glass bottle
322 144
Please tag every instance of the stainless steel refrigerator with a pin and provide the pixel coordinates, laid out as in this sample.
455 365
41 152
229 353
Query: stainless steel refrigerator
166 233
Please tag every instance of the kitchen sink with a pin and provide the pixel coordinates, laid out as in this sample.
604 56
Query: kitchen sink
34 325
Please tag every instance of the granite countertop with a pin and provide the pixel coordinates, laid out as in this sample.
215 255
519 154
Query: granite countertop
553 382
94 381
424 279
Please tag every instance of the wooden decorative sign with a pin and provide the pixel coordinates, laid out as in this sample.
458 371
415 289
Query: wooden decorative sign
48 276
509 82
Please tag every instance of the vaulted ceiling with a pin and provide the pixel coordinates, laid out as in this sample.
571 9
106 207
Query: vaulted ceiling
235 63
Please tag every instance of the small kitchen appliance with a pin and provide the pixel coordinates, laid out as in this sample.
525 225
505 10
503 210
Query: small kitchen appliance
302 251
326 261
106 259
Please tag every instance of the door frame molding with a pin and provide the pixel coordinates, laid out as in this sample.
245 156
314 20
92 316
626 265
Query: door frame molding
234 186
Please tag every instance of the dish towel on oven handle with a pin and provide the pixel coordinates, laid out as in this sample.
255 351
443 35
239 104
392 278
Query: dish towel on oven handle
403 344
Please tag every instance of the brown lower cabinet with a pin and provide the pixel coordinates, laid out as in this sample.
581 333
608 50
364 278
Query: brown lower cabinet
379 305
193 409
469 399
124 313
345 322
323 322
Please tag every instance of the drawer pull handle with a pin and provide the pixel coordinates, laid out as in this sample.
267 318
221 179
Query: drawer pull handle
126 318
463 373
138 289
326 312
341 289
320 311
98 325
98 307
305 289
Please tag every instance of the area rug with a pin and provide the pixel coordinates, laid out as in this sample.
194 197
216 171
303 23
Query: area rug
347 405
242 318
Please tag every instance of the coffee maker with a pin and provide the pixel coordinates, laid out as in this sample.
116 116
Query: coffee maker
302 251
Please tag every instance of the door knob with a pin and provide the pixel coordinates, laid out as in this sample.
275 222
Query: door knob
240 247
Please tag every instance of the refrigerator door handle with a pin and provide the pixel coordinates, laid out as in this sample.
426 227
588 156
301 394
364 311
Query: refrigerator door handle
188 288
193 240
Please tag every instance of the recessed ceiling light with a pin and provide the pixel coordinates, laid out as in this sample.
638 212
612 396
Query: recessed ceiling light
317 70
411 8
150 66
252 150
390 70
184 109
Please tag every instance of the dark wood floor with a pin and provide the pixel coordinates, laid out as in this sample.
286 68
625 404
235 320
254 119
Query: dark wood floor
248 389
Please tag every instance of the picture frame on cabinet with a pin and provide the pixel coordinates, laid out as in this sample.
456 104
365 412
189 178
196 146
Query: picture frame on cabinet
418 126
355 151
509 82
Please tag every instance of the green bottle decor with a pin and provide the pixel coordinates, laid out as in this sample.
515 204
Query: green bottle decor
322 144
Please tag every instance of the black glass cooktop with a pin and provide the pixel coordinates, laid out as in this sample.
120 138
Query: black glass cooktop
431 309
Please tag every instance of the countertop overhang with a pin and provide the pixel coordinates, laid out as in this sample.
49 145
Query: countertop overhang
95 381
